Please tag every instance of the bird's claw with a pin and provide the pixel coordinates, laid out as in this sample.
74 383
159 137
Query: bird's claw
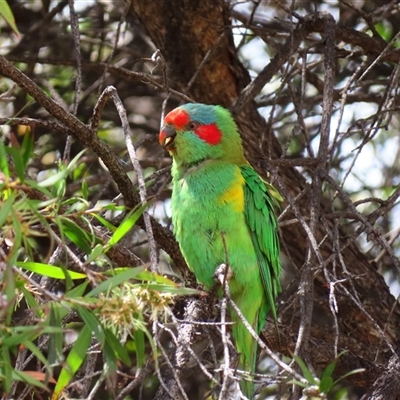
223 273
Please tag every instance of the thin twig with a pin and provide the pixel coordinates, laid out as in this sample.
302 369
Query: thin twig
177 382
139 174
78 82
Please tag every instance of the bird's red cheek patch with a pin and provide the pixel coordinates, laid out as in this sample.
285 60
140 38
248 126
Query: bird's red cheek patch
178 118
209 133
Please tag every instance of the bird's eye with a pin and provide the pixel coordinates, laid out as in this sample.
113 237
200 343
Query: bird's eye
193 125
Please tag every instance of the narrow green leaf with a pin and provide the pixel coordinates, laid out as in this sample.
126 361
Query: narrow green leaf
304 369
7 14
5 209
126 225
49 270
72 163
19 237
116 271
92 323
30 301
74 360
384 28
181 291
111 359
61 175
27 148
7 368
73 294
59 189
39 204
104 222
97 251
9 289
114 207
76 234
55 339
116 280
19 337
24 377
354 371
53 179
85 189
32 331
39 355
68 281
77 203
329 370
3 160
79 171
152 344
77 291
119 350
155 278
35 185
18 162
138 335
326 384
298 383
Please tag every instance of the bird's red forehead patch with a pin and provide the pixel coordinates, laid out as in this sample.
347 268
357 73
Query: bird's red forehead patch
178 118
209 133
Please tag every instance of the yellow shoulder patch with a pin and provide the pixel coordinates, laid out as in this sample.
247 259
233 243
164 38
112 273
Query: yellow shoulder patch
234 195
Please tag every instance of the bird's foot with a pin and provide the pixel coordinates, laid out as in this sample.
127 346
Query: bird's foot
223 273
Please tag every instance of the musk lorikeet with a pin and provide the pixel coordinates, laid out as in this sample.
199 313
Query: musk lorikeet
223 212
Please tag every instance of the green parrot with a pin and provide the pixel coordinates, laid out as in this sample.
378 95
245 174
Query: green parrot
223 212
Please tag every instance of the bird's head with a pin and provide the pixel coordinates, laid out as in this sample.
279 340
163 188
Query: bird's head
195 132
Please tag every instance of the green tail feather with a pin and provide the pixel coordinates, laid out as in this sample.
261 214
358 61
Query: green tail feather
247 349
247 385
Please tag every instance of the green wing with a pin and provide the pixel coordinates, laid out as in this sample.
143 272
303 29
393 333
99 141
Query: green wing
260 199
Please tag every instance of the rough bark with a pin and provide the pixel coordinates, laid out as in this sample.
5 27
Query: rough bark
387 386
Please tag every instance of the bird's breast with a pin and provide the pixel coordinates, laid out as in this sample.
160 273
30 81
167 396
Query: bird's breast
209 194
209 222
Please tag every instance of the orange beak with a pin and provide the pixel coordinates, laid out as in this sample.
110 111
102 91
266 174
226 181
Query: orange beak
166 137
